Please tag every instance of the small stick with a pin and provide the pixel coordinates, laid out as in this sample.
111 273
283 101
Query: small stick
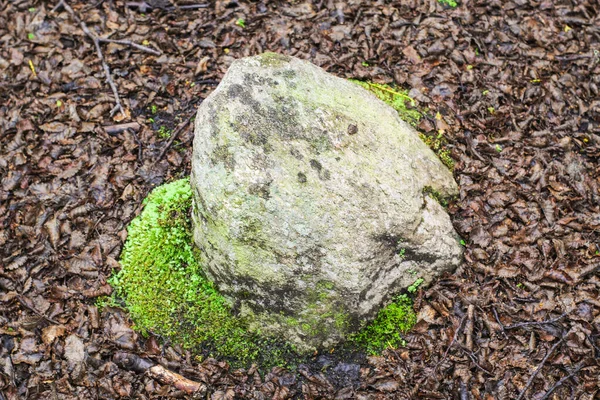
97 41
130 43
142 6
530 323
473 358
158 372
469 327
561 381
107 74
539 368
460 324
140 146
188 7
498 321
114 129
464 391
174 135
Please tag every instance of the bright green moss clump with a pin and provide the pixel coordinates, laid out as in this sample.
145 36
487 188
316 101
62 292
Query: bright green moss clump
163 286
399 100
389 325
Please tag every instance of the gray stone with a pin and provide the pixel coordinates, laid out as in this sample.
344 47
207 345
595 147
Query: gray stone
309 200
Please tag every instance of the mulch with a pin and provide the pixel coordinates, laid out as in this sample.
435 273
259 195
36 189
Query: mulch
513 86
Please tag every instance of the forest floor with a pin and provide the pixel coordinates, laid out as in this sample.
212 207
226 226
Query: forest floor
513 86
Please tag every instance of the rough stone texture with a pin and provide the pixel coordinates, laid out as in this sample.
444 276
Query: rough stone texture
310 209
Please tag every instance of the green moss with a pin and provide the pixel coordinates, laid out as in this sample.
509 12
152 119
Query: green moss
413 288
396 98
105 301
449 3
437 196
399 100
323 312
438 143
164 132
165 291
387 328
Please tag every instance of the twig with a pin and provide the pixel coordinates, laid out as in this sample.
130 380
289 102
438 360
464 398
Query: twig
498 321
158 372
561 381
530 323
174 135
114 129
464 391
142 6
188 7
97 40
473 358
130 43
460 324
140 146
539 368
469 327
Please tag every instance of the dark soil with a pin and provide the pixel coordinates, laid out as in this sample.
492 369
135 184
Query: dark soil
513 85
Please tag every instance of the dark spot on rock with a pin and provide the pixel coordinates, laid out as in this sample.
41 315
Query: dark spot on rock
302 177
289 74
235 90
257 138
352 129
296 154
259 81
251 233
261 189
221 154
324 174
316 165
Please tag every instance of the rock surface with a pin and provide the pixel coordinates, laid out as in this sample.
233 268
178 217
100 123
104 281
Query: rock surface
310 208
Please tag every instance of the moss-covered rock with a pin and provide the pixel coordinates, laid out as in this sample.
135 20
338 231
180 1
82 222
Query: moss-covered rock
166 292
301 178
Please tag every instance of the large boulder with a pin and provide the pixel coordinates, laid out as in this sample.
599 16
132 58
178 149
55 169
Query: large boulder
311 207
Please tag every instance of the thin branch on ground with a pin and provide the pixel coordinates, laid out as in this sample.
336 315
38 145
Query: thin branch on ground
456 333
131 44
174 135
499 323
532 323
97 40
539 368
188 7
158 372
114 129
143 6
561 381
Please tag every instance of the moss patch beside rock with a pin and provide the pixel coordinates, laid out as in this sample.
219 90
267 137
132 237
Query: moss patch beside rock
388 327
399 100
163 287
